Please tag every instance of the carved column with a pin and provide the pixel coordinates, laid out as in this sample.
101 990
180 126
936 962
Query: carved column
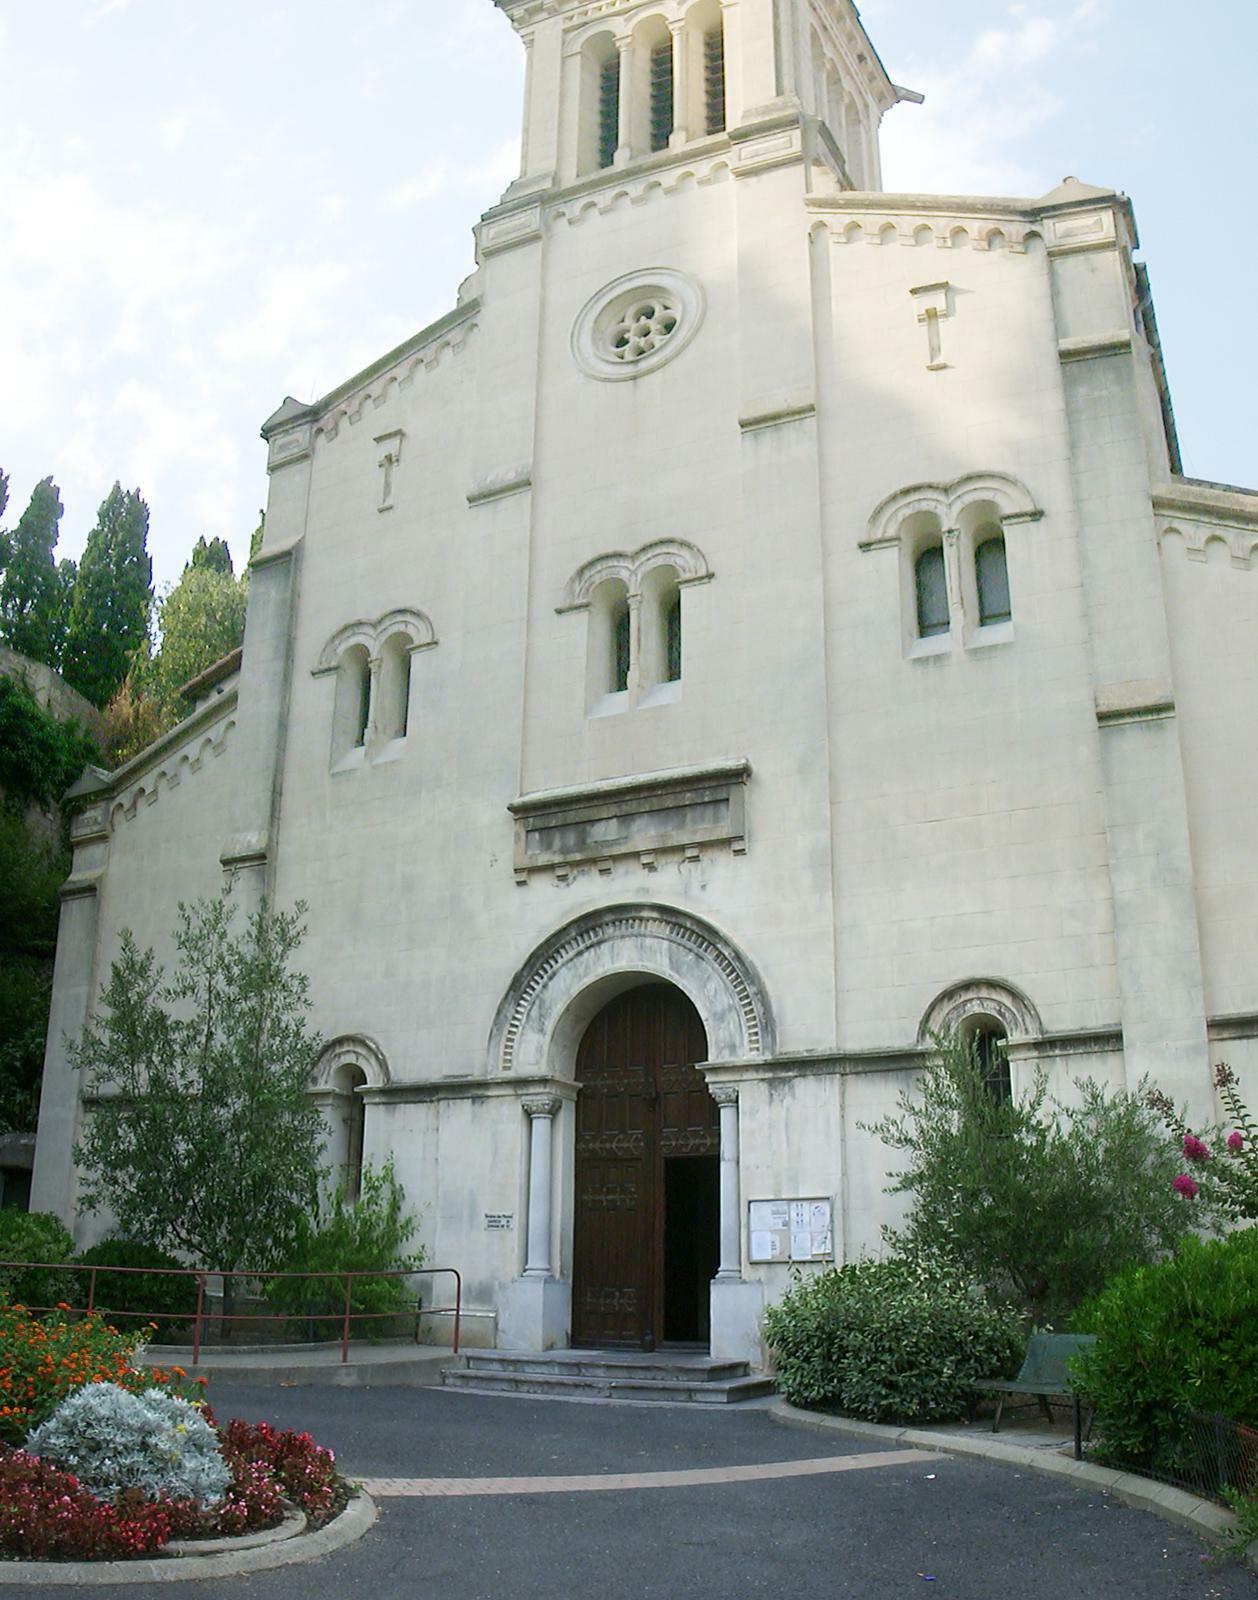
954 576
681 85
628 87
726 1097
541 1114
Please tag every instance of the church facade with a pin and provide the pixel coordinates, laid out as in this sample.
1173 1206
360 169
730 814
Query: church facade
764 622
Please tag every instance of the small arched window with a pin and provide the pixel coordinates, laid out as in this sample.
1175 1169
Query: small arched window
991 1047
661 627
349 1123
931 584
672 631
610 646
352 712
622 649
395 687
991 574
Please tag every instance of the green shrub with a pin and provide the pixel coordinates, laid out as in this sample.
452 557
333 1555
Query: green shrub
889 1341
34 1236
111 1440
1032 1199
170 1303
368 1235
1178 1337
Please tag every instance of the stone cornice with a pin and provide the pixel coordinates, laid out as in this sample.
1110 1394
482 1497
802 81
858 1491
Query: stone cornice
421 1091
1220 504
206 716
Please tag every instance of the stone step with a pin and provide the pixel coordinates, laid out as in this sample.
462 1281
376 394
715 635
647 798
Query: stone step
589 1386
605 1364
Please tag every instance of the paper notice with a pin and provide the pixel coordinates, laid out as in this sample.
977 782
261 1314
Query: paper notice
801 1246
762 1245
820 1219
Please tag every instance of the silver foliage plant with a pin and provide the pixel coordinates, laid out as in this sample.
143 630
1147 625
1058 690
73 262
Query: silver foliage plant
153 1442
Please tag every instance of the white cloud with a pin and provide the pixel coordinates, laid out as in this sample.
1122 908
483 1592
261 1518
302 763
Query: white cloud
965 138
104 8
500 167
426 183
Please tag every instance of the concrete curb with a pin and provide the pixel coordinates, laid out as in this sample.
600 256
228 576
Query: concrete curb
1189 1511
351 1525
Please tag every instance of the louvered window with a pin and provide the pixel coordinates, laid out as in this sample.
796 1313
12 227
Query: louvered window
661 95
714 79
992 572
932 593
609 112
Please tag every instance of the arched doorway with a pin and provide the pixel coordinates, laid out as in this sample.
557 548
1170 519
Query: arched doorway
647 1220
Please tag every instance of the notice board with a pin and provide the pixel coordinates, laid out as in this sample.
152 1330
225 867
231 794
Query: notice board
790 1230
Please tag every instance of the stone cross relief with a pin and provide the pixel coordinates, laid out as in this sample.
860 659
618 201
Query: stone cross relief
390 457
934 303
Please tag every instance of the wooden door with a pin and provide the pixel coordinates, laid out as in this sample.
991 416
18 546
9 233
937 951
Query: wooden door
648 1143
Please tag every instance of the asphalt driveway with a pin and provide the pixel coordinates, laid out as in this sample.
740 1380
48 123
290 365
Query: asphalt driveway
865 1523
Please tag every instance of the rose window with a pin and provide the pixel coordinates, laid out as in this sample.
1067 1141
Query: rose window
644 326
637 323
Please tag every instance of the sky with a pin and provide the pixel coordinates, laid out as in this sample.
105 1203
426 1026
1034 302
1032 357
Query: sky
208 207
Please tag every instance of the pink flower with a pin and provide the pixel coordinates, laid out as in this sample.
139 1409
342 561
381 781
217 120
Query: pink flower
1195 1149
1235 1142
1184 1185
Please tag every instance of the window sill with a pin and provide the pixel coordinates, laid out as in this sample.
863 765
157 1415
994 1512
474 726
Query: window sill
391 750
351 760
662 694
611 704
994 633
937 644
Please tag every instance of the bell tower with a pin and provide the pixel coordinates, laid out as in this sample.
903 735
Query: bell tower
615 84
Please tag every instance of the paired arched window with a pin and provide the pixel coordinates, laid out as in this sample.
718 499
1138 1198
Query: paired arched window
955 584
636 621
372 665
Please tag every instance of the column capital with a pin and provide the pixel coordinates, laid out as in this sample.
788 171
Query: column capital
725 1094
545 1105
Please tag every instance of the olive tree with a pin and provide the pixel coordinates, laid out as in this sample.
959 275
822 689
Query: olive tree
203 1138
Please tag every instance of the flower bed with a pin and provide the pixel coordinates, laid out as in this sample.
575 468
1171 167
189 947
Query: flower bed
70 1391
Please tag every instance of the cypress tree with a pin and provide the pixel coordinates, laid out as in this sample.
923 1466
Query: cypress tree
211 553
30 592
113 598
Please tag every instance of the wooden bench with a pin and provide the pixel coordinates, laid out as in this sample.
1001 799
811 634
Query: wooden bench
1043 1376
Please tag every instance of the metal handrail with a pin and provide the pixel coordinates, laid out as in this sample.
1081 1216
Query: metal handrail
202 1275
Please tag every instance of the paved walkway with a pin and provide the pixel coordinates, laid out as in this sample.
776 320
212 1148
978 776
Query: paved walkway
488 1497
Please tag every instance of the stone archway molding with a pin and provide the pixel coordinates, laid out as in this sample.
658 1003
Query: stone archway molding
350 1050
986 997
652 941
